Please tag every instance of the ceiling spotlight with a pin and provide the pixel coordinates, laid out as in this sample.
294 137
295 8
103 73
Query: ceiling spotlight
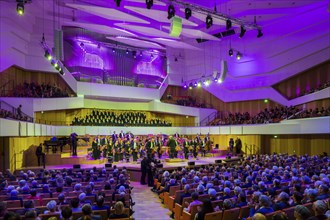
243 31
126 51
149 3
185 86
141 54
118 2
170 12
113 50
199 84
195 84
209 21
228 24
238 56
230 52
219 81
191 86
48 55
20 8
134 54
260 34
187 13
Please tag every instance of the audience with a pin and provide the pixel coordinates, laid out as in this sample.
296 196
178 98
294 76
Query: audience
88 213
301 212
272 115
39 91
202 211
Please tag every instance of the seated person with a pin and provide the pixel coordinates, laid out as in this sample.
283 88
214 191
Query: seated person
33 196
83 200
320 208
61 199
13 196
213 194
301 212
30 215
119 211
51 206
100 205
227 204
3 208
172 182
87 213
185 194
66 213
323 192
241 200
202 211
226 194
259 216
283 201
75 205
195 201
264 206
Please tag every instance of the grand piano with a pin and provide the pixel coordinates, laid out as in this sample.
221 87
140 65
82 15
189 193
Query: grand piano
55 142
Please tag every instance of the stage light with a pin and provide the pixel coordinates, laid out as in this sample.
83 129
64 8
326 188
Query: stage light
141 54
48 55
230 52
209 21
219 81
195 84
228 24
265 100
243 31
126 51
134 54
113 50
62 72
190 86
238 56
260 34
207 82
216 79
199 84
149 3
118 2
187 13
20 8
170 12
185 86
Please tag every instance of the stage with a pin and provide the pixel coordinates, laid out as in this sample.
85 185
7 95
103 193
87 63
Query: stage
64 160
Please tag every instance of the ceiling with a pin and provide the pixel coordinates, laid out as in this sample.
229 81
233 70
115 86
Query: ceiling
293 31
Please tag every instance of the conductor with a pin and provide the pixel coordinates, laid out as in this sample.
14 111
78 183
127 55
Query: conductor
40 155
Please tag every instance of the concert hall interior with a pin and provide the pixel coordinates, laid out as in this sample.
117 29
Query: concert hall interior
160 109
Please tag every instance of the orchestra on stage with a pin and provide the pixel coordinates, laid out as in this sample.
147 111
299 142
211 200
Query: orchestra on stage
127 147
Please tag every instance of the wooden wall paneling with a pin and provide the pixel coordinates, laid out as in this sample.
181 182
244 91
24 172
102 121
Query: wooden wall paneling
308 79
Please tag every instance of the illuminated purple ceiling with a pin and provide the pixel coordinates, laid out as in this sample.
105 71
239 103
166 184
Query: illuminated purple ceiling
296 36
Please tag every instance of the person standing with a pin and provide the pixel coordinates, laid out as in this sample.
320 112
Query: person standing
171 144
74 144
144 164
19 112
40 155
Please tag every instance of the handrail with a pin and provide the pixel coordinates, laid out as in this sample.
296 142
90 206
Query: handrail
5 85
13 110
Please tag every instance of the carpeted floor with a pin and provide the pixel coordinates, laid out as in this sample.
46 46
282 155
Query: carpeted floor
147 204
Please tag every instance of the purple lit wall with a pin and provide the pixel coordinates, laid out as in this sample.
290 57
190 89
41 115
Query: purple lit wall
90 60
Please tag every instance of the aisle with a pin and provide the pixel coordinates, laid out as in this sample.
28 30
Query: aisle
147 204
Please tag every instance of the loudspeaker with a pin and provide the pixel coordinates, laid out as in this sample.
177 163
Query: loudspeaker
108 165
58 44
191 163
218 161
228 157
224 70
176 27
110 160
76 166
159 165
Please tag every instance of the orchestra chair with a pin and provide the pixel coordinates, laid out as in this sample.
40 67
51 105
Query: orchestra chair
102 213
214 216
47 216
244 212
230 214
